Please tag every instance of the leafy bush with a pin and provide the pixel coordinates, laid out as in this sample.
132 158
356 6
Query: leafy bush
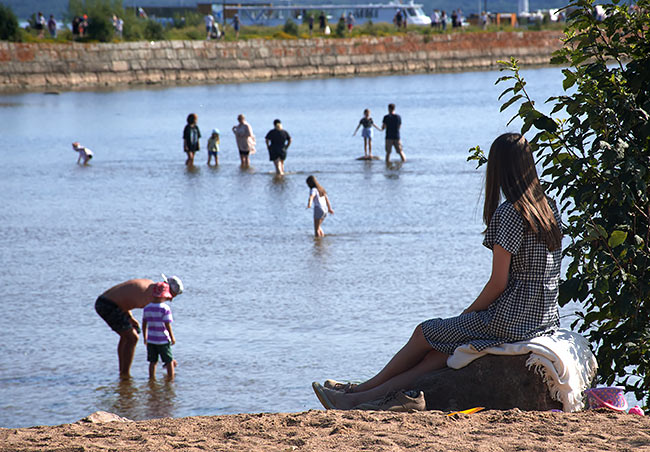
598 158
290 27
154 31
8 24
341 28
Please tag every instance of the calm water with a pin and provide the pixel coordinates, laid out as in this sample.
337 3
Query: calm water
267 307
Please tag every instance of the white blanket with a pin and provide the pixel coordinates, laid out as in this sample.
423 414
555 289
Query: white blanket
564 360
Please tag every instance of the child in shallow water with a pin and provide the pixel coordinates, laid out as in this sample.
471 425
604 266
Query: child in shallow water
85 154
318 197
366 132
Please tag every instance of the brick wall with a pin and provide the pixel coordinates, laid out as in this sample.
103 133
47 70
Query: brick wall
75 65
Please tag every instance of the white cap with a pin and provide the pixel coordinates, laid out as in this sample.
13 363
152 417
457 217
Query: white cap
175 284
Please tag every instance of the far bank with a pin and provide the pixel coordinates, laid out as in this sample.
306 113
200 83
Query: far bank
51 67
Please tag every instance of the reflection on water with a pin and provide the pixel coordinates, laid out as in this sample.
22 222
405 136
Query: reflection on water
139 400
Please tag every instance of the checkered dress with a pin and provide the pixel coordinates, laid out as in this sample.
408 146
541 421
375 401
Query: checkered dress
527 307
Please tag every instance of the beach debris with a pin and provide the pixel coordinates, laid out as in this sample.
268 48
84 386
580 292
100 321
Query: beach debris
636 410
100 417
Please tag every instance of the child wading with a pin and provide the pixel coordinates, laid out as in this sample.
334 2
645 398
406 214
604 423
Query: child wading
191 135
213 147
366 132
518 302
85 154
318 196
157 330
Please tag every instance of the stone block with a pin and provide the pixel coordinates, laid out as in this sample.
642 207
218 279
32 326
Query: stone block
119 66
494 382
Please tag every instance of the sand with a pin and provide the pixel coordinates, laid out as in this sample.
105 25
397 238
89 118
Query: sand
346 431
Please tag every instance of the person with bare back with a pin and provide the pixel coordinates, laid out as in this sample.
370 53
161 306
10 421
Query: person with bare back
115 306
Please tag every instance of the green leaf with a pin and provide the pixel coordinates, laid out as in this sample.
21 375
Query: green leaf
616 238
510 102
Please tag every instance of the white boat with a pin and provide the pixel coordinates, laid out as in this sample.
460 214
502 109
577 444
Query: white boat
272 14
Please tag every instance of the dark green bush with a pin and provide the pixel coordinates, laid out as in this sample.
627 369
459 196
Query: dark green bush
290 27
154 31
8 24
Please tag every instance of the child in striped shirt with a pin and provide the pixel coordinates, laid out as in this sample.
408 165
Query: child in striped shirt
157 331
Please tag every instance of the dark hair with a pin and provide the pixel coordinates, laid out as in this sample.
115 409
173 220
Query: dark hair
391 107
313 183
511 170
191 118
276 122
366 111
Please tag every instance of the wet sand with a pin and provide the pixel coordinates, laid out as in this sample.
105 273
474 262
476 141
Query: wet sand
347 431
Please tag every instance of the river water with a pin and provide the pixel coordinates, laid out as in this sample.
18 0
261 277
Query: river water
267 308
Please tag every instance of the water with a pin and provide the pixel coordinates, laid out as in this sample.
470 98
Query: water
267 307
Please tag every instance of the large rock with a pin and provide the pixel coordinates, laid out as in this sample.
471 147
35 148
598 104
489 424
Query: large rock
493 382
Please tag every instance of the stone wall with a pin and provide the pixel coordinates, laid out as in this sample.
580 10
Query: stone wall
25 67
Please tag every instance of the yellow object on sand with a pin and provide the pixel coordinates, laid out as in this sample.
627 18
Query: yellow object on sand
470 411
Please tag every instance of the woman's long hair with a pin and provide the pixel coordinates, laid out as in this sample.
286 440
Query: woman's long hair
313 183
511 171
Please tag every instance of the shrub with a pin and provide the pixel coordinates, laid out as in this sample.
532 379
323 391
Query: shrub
290 27
598 159
154 31
8 24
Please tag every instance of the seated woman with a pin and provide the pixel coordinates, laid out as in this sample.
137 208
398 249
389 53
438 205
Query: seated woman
518 302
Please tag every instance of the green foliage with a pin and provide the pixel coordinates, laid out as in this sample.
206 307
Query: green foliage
100 16
290 28
341 28
8 24
153 31
595 148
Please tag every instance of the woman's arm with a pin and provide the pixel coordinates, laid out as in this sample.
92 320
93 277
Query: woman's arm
309 201
329 207
497 282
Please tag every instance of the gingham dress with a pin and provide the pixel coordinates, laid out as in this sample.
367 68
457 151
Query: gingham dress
527 307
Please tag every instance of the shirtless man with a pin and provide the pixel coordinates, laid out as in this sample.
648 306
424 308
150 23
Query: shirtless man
115 305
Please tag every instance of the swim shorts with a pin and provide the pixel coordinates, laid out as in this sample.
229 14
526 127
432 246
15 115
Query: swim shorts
244 152
212 153
366 132
275 154
117 319
393 143
162 350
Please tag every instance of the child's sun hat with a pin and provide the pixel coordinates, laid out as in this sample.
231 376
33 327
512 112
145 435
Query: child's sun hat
215 131
161 290
611 397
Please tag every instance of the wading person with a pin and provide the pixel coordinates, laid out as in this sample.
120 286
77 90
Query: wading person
392 123
278 141
191 135
115 306
518 302
245 140
321 202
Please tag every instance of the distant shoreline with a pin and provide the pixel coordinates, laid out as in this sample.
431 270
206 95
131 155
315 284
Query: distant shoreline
48 67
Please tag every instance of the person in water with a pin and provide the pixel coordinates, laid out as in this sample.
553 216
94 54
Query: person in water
115 306
321 202
366 132
519 301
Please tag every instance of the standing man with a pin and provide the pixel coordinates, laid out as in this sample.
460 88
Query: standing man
392 123
115 305
278 141
209 25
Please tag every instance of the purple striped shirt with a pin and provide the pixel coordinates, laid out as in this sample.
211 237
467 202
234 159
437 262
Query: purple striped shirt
156 315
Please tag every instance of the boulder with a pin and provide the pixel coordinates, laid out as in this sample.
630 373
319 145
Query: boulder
100 417
493 381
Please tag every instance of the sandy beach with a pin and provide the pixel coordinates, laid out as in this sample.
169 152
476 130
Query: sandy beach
346 431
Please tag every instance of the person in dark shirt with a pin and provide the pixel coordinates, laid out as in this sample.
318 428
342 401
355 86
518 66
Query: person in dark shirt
392 123
278 141
191 135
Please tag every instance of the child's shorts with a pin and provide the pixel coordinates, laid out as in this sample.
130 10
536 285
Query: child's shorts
366 132
212 154
162 350
319 213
